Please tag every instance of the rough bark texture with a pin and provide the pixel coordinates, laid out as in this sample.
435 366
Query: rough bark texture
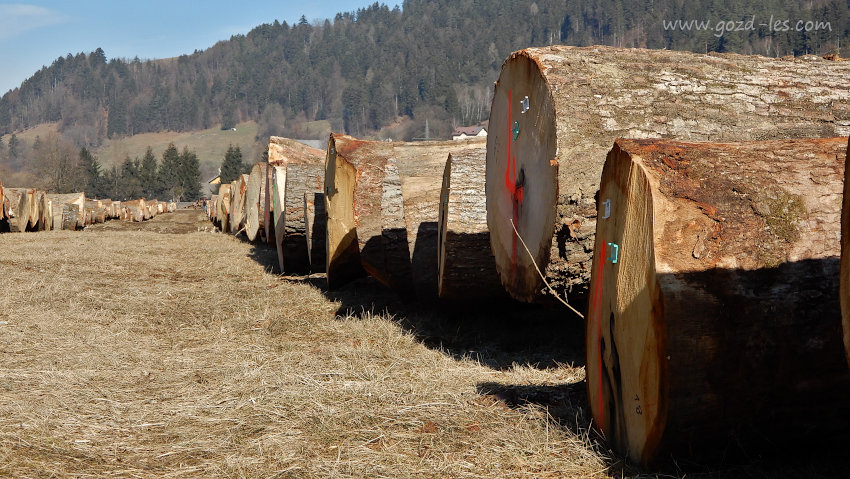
268 206
253 197
466 269
283 152
581 99
714 317
70 216
301 178
317 219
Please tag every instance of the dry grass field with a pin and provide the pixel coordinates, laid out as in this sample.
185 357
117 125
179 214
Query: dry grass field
158 350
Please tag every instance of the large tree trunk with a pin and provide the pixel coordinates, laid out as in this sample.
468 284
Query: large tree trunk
544 160
714 317
268 206
223 208
278 186
301 179
466 269
76 200
356 182
421 167
253 197
283 152
21 206
45 219
316 230
238 189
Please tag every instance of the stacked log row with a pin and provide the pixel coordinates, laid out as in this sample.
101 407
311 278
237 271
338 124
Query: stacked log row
557 110
466 269
284 200
22 209
714 315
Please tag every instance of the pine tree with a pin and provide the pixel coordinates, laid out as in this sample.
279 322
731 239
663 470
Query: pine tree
232 166
89 173
190 175
148 175
169 181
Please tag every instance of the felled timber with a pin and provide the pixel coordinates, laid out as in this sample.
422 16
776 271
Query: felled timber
557 110
466 269
253 201
714 315
237 203
316 230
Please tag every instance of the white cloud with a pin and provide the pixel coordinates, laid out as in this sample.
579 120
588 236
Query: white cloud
17 18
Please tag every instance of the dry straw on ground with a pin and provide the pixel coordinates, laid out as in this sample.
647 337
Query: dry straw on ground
129 353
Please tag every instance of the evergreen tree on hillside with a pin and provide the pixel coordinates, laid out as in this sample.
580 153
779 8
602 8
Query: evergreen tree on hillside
233 166
148 175
189 174
129 184
90 175
169 182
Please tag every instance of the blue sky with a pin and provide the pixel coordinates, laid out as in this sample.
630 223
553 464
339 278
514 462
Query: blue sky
33 34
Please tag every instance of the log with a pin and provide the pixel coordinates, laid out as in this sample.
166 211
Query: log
301 178
69 216
253 196
45 219
21 206
237 203
283 152
421 167
212 204
135 210
714 316
358 175
581 99
223 208
268 207
316 231
466 269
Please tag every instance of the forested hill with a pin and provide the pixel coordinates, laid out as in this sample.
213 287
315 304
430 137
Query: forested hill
360 71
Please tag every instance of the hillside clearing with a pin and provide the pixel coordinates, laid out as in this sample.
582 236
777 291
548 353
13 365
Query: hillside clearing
140 354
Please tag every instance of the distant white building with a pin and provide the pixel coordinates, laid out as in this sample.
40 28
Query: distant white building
463 132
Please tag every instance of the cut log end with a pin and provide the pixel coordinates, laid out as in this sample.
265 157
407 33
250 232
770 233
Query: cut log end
701 324
522 176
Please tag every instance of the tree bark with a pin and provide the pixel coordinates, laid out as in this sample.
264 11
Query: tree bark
316 231
283 152
544 163
714 316
466 269
301 179
253 197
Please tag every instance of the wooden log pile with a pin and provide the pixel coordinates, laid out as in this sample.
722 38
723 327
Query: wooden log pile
557 110
30 209
715 314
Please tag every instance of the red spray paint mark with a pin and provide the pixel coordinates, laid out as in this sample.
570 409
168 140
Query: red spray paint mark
600 268
513 188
